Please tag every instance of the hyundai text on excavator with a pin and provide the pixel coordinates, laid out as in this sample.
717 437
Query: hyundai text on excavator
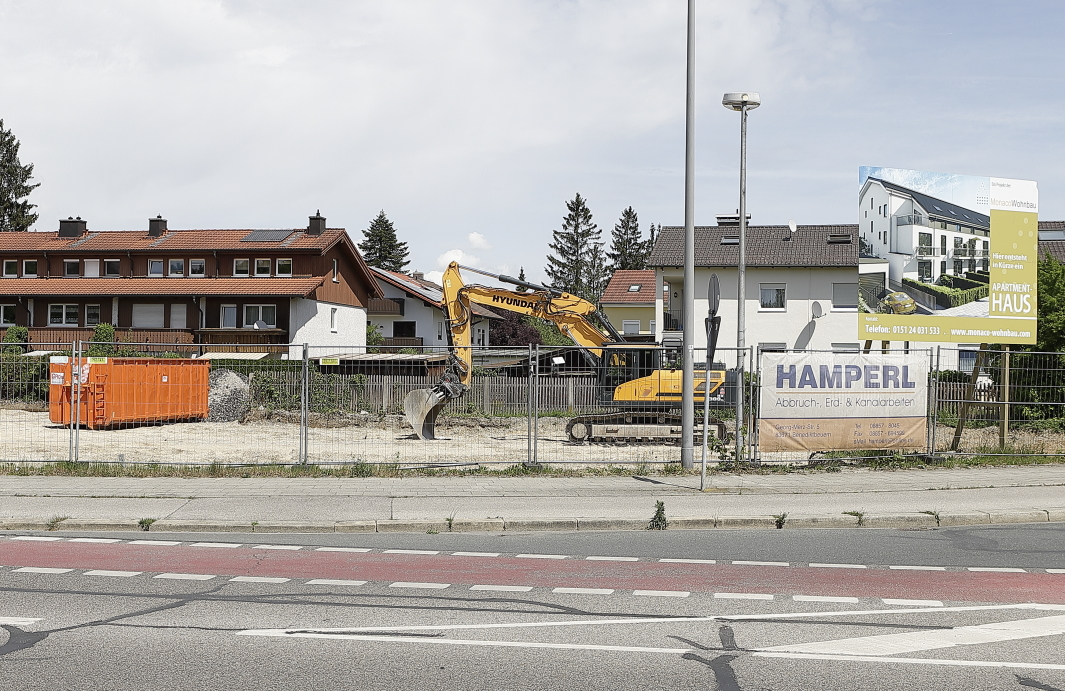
637 380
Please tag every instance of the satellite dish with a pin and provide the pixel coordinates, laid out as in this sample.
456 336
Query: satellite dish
792 226
817 311
713 295
259 325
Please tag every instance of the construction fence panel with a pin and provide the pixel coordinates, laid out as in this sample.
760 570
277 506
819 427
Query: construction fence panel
26 432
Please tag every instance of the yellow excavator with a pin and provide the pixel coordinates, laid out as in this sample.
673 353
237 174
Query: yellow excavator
641 382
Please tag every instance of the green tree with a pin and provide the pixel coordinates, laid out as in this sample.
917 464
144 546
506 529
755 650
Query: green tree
381 247
576 264
521 277
1051 307
628 250
16 214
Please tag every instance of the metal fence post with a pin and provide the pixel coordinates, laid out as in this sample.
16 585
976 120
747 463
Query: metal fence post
76 417
536 404
529 410
304 404
755 395
934 400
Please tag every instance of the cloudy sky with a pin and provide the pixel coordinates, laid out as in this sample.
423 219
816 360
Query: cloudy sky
470 123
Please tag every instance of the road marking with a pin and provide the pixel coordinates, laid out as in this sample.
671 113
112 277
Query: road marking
453 641
837 566
333 581
475 554
95 540
761 563
993 569
411 551
822 598
215 544
431 586
583 591
342 549
612 559
17 621
913 661
1055 570
36 538
41 569
541 556
919 568
742 596
288 547
155 543
916 641
913 603
503 588
185 576
661 593
688 561
258 579
122 574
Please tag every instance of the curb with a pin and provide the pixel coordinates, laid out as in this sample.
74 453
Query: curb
912 521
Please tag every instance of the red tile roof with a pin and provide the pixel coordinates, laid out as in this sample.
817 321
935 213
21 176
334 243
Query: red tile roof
617 291
172 240
195 287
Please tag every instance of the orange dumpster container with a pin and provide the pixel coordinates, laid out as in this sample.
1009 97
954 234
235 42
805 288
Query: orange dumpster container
127 390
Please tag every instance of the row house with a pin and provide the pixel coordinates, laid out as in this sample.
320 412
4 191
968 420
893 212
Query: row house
303 285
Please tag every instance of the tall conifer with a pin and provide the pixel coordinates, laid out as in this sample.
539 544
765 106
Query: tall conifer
381 247
577 265
16 214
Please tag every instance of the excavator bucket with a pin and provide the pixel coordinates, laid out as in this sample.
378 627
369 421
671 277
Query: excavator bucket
421 407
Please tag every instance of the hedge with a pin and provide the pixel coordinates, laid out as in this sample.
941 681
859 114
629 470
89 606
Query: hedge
948 297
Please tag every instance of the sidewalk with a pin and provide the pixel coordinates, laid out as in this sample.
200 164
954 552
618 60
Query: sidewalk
906 498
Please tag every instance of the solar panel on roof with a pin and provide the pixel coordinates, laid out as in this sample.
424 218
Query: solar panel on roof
267 235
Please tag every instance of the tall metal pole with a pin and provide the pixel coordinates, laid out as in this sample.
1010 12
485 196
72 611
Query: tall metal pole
687 413
741 288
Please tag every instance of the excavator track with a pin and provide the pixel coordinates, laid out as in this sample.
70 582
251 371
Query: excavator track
633 428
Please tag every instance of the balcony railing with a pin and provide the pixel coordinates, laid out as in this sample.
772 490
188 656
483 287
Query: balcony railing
970 252
673 320
384 306
927 251
403 341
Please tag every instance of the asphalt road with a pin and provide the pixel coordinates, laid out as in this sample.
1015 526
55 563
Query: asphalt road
825 609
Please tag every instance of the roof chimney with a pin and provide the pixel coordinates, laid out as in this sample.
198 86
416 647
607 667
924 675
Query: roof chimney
417 276
156 227
71 227
317 224
731 219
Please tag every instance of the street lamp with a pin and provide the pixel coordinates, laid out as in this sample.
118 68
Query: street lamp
743 102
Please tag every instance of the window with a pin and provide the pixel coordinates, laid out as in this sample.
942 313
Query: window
943 267
333 319
178 314
630 326
924 271
112 267
264 313
62 315
10 268
284 267
71 267
966 360
228 317
262 267
653 326
336 272
92 315
241 267
943 244
176 267
845 347
772 347
148 316
155 267
7 315
772 296
197 268
29 268
404 329
844 296
92 268
957 267
440 331
635 288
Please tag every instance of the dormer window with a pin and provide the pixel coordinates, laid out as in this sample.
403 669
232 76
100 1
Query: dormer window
112 267
71 267
177 267
635 288
10 268
284 267
155 267
262 267
197 268
241 267
29 268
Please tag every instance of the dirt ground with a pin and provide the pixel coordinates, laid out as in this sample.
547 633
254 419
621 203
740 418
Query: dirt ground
29 436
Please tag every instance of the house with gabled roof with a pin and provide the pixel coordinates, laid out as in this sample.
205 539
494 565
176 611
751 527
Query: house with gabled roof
629 302
411 312
169 286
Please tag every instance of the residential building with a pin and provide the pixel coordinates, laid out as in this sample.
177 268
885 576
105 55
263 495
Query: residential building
410 312
920 236
161 285
801 287
629 302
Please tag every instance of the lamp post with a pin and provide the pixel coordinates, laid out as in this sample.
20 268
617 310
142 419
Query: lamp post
687 388
743 102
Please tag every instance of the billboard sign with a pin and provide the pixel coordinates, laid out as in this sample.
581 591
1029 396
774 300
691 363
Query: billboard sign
946 258
821 401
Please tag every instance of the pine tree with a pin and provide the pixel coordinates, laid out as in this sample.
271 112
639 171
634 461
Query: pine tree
381 247
577 265
651 243
521 277
15 212
627 248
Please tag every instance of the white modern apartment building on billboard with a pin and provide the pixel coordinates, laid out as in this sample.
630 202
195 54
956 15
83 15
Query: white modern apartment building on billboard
920 237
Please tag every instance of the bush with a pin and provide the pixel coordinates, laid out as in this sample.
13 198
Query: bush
19 335
948 297
103 336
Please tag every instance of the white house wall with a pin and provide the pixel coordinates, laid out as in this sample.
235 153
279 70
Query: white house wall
310 324
428 320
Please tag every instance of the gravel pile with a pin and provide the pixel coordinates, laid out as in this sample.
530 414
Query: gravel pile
229 398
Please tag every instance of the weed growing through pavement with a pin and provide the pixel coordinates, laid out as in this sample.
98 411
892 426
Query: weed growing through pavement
450 523
933 514
146 523
658 521
860 515
780 519
53 523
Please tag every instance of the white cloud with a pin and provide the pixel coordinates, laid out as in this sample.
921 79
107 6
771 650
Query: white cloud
434 276
478 242
460 256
